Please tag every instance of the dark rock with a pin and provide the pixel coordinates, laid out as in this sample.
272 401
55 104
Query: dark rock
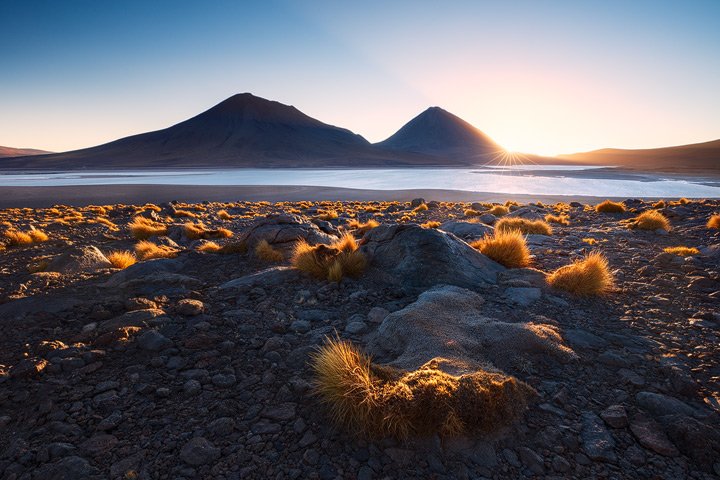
597 442
199 451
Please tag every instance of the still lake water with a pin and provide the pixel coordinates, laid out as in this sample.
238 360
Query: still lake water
529 179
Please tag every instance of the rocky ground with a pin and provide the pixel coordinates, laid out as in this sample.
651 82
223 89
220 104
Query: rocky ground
197 366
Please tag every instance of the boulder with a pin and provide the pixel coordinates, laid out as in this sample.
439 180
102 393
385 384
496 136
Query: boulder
145 269
448 321
417 258
283 231
529 212
79 259
265 278
467 229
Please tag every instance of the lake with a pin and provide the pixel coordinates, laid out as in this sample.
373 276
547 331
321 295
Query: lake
524 179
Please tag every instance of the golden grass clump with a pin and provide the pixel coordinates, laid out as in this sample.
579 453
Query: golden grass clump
561 219
430 224
507 247
469 212
610 207
659 204
38 236
146 250
142 228
589 241
195 231
420 208
362 227
327 215
16 238
122 259
523 225
713 222
650 220
332 262
209 247
224 215
588 276
499 210
265 251
378 401
682 251
183 214
107 223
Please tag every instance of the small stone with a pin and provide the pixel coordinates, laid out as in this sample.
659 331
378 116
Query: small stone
651 436
199 451
598 443
660 405
311 457
286 411
192 387
111 421
531 460
523 296
224 380
300 326
222 426
377 315
190 307
153 341
615 416
162 392
559 464
355 327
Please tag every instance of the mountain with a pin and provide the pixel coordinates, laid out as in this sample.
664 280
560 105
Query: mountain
242 131
438 132
696 156
20 152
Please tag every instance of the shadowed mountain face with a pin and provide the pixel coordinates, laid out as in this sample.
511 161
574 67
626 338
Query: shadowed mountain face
438 132
242 131
19 152
696 156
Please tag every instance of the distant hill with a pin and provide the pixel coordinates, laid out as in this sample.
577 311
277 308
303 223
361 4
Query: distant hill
242 131
20 152
440 133
696 156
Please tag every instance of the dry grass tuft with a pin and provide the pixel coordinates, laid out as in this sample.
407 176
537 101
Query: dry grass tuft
196 231
523 225
122 259
713 222
361 227
332 262
183 214
224 215
142 228
589 241
430 224
420 208
327 215
682 251
146 250
377 401
471 213
610 207
16 238
209 247
499 210
588 276
650 220
38 236
659 204
508 248
265 251
561 219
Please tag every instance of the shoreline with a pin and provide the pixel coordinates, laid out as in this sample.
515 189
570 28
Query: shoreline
47 196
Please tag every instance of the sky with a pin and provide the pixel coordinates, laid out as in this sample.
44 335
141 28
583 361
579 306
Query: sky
538 77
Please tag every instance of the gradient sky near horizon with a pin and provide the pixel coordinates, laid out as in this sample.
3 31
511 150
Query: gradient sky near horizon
540 77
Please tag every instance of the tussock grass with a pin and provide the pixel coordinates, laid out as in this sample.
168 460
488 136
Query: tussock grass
589 241
195 231
142 228
659 204
327 215
107 223
38 266
332 262
682 251
377 401
561 219
609 207
224 215
146 250
361 227
38 236
523 225
420 208
500 210
713 222
209 247
183 214
265 251
588 276
122 259
15 238
469 212
507 247
650 220
430 224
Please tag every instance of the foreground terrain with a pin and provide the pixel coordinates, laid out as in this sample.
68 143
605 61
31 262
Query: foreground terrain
198 363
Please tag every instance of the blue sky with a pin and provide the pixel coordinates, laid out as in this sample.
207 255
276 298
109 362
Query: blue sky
543 77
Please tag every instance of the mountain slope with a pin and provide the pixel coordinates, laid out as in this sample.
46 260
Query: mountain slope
19 152
440 133
242 131
696 156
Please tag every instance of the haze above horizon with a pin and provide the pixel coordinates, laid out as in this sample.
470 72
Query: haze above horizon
560 77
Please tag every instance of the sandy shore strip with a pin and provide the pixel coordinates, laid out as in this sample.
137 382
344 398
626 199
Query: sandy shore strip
39 197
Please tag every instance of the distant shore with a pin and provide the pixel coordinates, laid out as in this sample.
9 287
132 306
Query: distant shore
39 197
